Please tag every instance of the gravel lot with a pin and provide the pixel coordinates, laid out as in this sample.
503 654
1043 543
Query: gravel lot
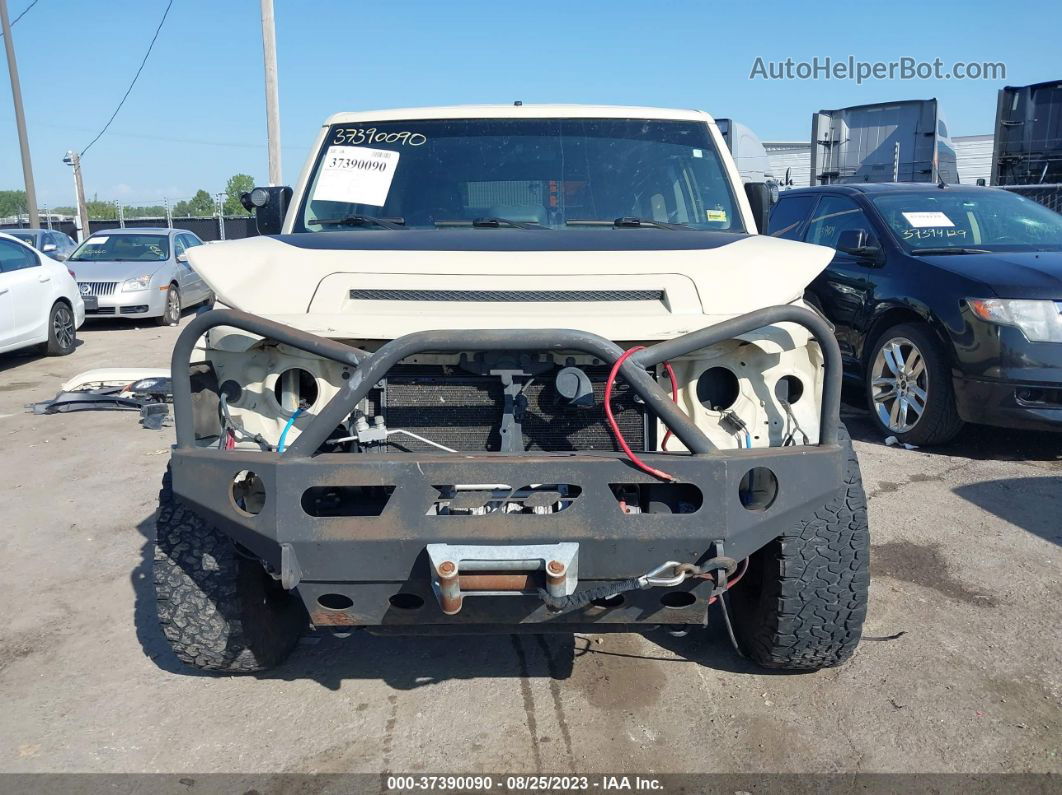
965 561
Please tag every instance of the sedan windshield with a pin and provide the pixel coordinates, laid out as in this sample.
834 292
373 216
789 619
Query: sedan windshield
503 173
123 248
983 220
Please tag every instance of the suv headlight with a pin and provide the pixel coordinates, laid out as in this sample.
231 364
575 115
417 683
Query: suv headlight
139 283
1039 321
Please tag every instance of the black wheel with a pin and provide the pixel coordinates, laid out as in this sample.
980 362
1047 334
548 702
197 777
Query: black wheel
219 609
802 602
909 388
171 314
62 331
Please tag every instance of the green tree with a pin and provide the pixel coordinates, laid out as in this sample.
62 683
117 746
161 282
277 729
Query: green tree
12 202
101 210
237 184
199 206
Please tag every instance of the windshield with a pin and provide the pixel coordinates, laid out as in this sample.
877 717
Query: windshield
992 220
28 237
546 173
123 248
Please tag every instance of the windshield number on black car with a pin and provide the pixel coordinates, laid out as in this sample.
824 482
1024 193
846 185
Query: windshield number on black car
924 234
359 135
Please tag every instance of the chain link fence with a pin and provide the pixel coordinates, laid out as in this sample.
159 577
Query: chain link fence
209 228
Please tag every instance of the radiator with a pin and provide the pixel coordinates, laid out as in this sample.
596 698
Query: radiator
464 412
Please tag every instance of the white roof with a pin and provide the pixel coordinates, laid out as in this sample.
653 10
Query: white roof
520 112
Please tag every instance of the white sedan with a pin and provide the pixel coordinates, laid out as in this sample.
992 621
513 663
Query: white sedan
40 303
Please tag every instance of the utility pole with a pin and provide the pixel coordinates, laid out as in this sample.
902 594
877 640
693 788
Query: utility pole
169 216
20 116
269 53
119 213
73 159
219 203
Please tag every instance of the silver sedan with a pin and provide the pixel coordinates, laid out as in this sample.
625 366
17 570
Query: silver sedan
139 273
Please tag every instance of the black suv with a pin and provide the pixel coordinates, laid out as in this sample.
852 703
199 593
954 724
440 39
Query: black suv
947 301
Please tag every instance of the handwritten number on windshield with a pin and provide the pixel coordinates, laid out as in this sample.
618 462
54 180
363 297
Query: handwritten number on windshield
354 136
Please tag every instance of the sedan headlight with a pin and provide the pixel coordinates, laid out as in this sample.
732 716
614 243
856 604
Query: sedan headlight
139 283
1039 321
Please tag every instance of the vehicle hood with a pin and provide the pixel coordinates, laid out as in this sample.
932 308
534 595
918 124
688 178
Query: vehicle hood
1009 274
624 284
110 270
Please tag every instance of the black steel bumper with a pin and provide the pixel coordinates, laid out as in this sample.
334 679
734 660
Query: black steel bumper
376 567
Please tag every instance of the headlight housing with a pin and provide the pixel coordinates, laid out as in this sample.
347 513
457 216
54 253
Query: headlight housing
1039 321
138 283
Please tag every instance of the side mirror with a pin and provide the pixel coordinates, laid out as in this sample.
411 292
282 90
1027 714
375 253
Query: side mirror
269 206
48 247
858 243
759 196
60 256
182 258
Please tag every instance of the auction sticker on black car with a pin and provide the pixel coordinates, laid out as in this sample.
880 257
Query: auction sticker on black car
356 175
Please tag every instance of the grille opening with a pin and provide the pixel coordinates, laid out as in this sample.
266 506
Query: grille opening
789 388
335 601
464 412
758 489
248 493
635 498
295 387
324 501
678 599
499 498
717 388
406 601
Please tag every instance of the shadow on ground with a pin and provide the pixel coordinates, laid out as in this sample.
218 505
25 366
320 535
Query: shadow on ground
1033 504
978 442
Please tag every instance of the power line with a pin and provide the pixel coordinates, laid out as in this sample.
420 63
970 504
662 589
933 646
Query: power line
24 10
138 71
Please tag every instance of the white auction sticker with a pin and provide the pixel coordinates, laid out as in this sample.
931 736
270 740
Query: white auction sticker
927 219
356 175
97 241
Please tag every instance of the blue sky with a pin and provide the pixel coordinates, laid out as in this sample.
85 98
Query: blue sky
197 115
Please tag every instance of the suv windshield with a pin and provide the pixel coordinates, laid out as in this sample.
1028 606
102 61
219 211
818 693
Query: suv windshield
543 173
123 248
993 220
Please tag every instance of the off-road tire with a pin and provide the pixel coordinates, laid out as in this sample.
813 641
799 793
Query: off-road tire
940 422
219 609
61 341
802 603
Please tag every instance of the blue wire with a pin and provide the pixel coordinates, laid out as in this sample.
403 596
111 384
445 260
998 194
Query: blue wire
284 433
748 440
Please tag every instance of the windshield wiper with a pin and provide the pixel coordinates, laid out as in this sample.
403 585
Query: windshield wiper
363 220
492 222
626 222
950 250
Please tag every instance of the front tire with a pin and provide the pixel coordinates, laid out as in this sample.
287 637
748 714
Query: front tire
62 331
909 389
219 610
171 312
803 600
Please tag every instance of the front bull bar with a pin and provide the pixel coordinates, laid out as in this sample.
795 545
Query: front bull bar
372 368
368 558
